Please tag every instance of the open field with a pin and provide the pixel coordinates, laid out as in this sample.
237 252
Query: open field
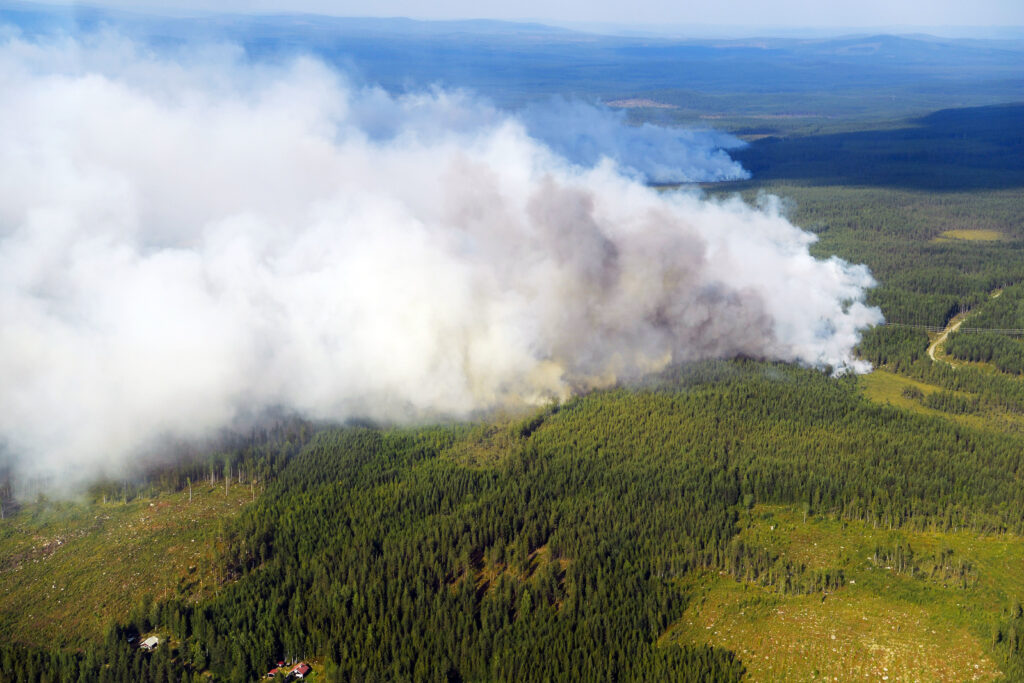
856 635
883 625
969 235
69 569
883 386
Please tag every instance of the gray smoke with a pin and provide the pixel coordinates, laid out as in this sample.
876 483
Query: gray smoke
582 133
586 134
185 240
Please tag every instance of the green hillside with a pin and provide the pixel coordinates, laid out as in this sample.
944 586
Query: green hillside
71 569
636 534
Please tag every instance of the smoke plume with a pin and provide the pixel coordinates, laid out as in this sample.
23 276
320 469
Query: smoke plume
585 134
582 133
184 240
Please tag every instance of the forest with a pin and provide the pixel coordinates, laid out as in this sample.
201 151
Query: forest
558 538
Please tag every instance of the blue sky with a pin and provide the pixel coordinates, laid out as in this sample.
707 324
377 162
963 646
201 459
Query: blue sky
837 14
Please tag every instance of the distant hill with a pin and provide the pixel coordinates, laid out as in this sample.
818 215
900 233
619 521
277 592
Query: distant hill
950 149
513 63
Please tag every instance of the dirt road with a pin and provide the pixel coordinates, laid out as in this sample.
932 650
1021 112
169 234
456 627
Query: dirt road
951 327
954 323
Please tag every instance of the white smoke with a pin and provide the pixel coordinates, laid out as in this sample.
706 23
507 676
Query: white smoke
183 240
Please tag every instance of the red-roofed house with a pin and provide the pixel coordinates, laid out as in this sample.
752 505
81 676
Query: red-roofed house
299 670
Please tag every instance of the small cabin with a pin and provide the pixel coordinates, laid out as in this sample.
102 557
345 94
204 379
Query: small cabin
299 670
149 643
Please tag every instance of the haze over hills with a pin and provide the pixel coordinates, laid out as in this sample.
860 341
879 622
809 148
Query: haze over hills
512 63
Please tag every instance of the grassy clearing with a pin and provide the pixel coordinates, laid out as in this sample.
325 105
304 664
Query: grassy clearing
969 235
883 386
883 625
886 387
67 569
853 636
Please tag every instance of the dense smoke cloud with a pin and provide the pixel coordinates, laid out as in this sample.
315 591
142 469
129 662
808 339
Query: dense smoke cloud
186 240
